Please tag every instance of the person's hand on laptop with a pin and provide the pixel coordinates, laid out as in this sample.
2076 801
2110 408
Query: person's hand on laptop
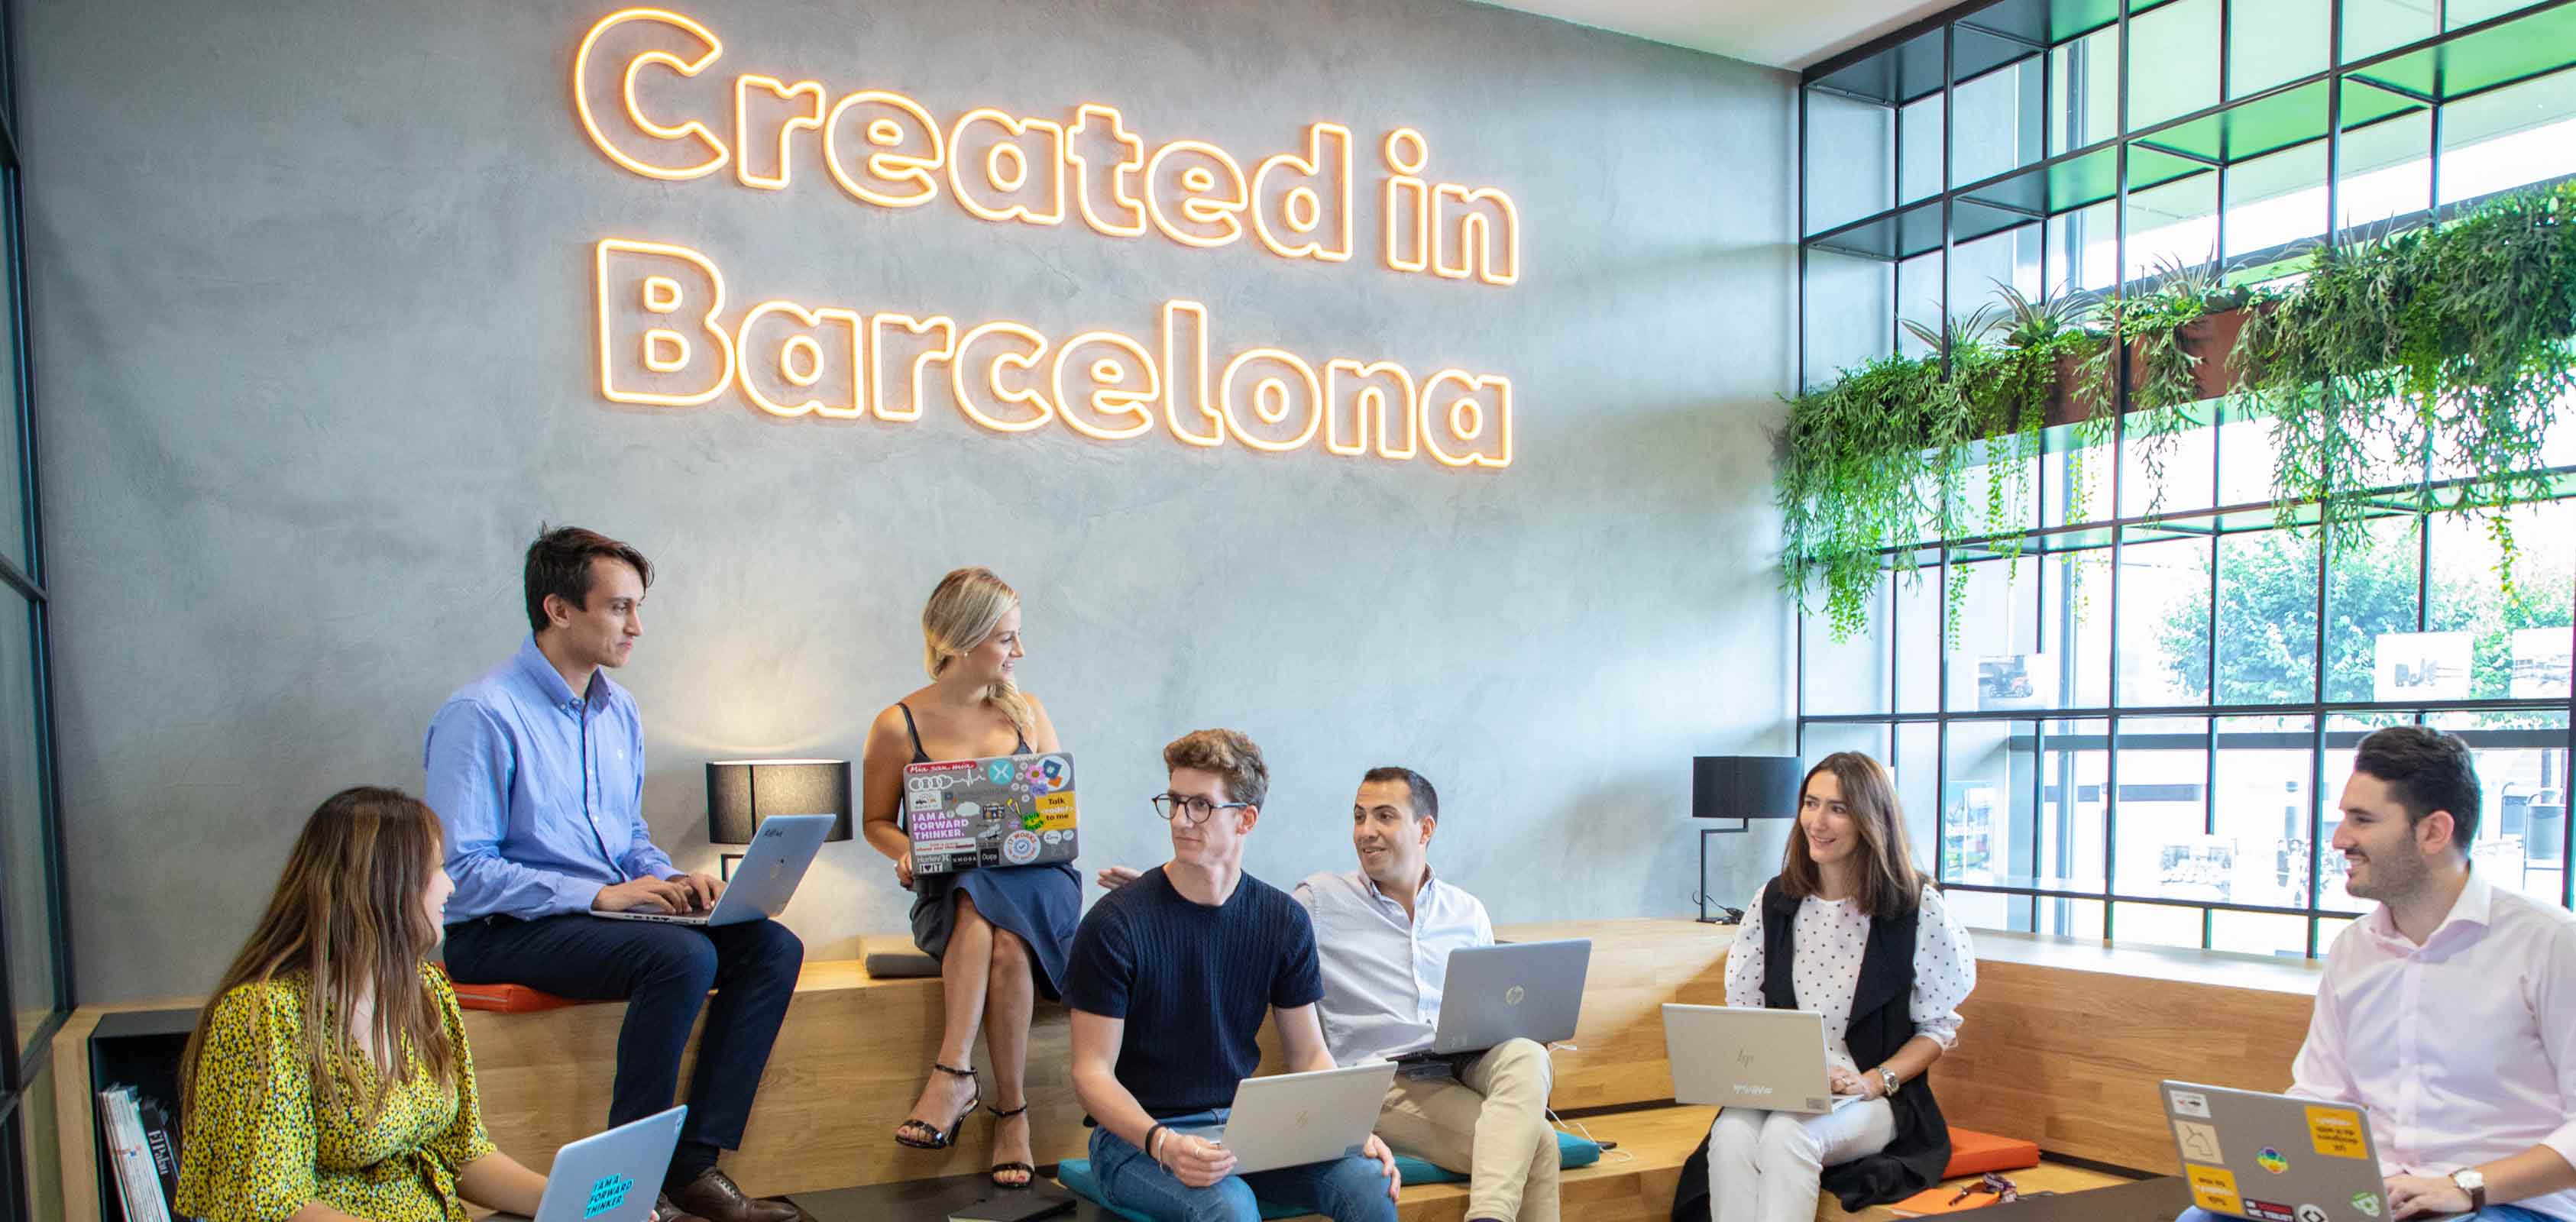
1114 877
1844 1082
641 895
1374 1148
1196 1161
703 890
2415 1196
903 870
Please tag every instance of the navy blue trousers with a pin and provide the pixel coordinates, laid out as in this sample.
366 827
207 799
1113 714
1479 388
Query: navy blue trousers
663 973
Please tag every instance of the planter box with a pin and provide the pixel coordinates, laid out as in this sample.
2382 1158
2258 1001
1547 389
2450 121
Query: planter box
2211 337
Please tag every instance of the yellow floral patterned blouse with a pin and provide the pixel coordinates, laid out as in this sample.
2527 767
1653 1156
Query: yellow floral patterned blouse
261 1143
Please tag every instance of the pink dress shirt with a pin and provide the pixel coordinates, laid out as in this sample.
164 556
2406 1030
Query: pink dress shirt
2464 1048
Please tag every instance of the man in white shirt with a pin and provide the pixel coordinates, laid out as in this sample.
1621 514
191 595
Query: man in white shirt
2450 1012
1384 933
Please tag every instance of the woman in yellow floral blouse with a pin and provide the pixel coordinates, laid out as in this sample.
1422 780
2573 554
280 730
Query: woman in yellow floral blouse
329 1077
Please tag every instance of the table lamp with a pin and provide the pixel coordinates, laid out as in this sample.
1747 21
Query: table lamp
741 793
1742 788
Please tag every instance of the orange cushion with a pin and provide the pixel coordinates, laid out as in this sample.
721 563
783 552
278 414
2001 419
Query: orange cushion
1975 1153
508 998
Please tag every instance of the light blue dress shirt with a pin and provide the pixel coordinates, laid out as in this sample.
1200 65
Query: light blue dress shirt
1384 972
540 791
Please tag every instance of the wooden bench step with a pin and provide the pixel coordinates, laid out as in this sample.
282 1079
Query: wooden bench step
1635 1181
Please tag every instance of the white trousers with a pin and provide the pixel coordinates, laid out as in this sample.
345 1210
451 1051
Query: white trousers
1765 1166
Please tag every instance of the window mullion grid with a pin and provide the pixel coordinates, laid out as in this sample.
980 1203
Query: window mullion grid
2318 711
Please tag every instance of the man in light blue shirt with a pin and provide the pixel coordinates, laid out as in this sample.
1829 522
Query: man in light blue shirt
536 771
1383 934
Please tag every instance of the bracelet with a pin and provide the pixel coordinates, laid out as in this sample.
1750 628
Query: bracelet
1153 1135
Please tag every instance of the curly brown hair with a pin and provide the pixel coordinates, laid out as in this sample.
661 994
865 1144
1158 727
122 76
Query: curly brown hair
1234 758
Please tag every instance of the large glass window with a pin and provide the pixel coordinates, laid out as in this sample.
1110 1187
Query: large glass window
2136 724
35 976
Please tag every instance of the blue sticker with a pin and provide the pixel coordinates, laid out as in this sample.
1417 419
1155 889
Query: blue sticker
1001 771
609 1193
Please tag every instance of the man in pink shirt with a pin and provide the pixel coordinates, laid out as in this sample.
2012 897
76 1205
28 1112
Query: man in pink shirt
2450 1011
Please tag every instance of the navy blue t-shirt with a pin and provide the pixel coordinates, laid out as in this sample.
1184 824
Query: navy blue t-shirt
1193 984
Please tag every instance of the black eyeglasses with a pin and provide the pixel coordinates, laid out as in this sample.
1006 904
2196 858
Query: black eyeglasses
1192 808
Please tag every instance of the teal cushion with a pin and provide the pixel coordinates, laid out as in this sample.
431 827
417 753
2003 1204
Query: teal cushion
1571 1151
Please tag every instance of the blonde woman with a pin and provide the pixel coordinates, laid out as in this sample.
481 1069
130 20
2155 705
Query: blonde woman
328 1078
1000 935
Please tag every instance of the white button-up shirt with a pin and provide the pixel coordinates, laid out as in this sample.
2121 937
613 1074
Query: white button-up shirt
1383 972
2464 1048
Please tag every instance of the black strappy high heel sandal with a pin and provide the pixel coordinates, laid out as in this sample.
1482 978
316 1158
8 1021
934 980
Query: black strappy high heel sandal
908 1133
1028 1173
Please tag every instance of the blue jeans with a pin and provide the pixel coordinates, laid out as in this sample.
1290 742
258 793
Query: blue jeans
1345 1190
663 972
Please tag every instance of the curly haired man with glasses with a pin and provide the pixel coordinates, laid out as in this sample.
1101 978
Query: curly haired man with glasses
1169 980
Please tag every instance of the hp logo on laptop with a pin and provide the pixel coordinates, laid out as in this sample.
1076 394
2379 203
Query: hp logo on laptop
1512 996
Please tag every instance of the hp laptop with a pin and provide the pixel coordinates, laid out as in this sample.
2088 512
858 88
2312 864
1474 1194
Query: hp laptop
1291 1119
765 880
2276 1158
1007 810
1520 990
1736 1056
611 1176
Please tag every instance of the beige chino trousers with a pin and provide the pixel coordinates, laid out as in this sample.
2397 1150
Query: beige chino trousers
1490 1122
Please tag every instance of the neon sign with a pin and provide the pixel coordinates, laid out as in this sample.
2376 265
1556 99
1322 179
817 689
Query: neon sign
666 340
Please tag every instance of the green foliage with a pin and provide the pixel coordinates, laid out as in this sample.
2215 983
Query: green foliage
2444 353
2439 352
1880 457
2267 617
2168 365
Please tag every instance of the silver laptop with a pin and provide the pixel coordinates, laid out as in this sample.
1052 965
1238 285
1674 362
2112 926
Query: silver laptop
1737 1056
611 1176
1292 1119
2276 1158
1521 990
764 882
1003 810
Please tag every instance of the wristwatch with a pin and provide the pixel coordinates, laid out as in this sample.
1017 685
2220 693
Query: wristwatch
2474 1183
1887 1078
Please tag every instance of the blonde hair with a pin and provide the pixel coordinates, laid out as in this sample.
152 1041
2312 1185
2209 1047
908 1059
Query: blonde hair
962 613
346 917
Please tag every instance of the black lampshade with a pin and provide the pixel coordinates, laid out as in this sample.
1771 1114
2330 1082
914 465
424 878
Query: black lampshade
1745 786
741 793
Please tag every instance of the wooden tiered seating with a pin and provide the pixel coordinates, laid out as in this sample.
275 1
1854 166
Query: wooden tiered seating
2064 1045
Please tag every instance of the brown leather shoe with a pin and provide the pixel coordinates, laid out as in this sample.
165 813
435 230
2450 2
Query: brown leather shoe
714 1197
665 1211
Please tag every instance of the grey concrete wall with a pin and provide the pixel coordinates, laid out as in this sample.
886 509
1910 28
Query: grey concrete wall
312 313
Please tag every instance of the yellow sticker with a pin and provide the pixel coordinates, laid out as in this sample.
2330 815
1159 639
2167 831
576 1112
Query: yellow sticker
2336 1132
2214 1189
1055 810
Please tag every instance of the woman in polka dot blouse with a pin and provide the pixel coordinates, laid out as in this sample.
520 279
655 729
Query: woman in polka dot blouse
1852 930
329 1078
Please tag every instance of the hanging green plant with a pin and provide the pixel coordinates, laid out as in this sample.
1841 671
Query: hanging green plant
1880 458
2155 332
2442 353
2445 352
